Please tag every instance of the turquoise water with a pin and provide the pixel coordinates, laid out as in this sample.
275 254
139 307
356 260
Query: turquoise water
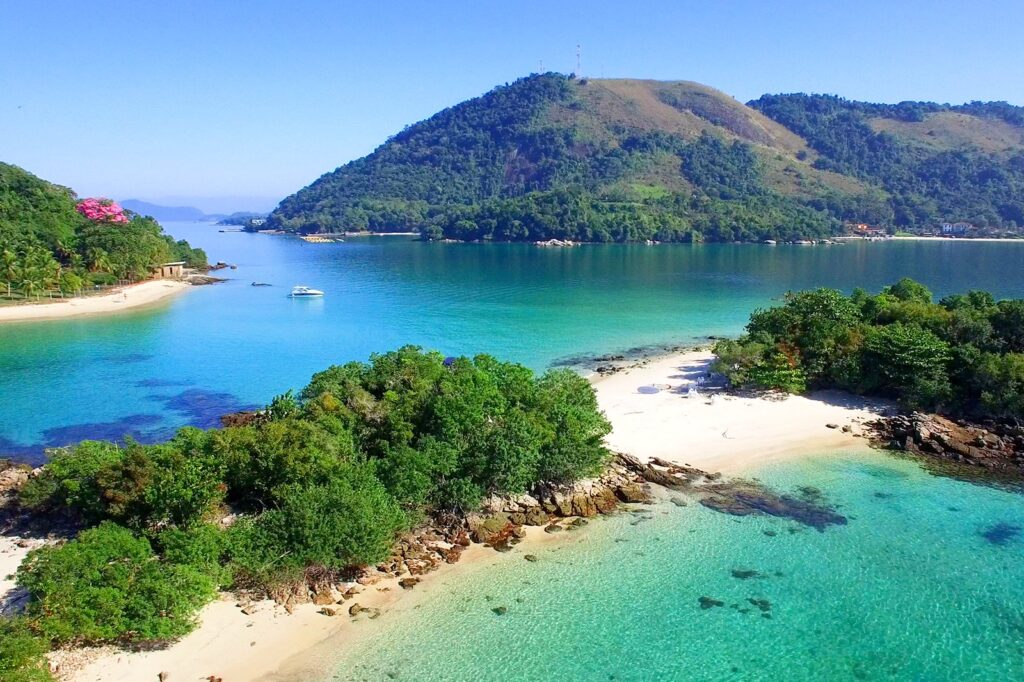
232 346
909 589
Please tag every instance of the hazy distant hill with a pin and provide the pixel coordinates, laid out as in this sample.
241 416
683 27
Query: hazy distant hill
603 160
165 213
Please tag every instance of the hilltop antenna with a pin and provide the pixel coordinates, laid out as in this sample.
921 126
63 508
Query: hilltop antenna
541 66
579 53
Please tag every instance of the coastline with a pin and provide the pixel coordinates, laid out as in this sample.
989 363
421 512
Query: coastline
717 433
959 239
652 416
130 297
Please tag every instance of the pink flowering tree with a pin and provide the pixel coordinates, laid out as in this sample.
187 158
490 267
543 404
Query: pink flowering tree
102 210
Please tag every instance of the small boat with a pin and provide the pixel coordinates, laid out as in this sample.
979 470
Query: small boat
305 292
259 284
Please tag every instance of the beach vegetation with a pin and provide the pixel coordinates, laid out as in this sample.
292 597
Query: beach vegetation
52 242
326 478
961 355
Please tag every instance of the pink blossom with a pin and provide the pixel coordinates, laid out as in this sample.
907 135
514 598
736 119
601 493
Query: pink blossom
102 210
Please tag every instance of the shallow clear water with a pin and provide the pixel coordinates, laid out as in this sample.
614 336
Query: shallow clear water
230 346
909 589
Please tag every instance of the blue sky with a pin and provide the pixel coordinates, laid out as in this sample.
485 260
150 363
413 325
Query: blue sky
236 104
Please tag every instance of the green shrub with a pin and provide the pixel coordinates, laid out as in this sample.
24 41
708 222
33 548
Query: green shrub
107 585
350 521
203 547
141 486
909 363
22 653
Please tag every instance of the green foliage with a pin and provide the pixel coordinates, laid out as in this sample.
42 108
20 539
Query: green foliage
142 486
22 653
46 245
326 479
203 547
549 157
107 585
349 521
499 167
907 362
926 186
1000 384
960 354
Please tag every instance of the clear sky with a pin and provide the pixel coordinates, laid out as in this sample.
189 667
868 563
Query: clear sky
231 105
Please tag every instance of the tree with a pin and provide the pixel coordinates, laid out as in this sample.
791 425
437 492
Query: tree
909 363
106 585
1008 323
8 268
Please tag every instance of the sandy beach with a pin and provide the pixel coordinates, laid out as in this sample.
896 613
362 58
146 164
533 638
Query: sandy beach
652 416
269 644
125 298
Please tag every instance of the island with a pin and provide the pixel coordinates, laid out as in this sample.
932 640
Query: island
620 160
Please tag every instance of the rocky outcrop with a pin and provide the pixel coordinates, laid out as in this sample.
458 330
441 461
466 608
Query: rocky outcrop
991 448
737 496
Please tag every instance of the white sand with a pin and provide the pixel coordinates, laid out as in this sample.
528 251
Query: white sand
729 434
270 642
721 433
126 298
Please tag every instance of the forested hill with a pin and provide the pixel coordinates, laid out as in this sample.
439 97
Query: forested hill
624 160
51 240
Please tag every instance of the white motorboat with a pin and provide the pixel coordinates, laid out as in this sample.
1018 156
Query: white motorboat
305 292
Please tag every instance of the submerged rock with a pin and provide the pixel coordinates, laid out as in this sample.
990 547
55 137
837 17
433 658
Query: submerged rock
744 574
1001 533
761 603
500 610
709 602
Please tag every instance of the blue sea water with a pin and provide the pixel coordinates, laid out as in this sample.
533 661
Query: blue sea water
232 346
914 587
925 582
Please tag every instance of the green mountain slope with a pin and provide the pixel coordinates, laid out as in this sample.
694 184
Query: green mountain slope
619 160
46 244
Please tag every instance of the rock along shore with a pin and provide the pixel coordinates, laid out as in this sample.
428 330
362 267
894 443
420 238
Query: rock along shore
958 448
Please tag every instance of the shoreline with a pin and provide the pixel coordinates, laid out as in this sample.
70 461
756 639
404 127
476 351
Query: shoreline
132 297
715 432
958 239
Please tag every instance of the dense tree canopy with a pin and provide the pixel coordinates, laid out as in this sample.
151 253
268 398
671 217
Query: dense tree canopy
961 354
549 156
327 479
46 244
927 184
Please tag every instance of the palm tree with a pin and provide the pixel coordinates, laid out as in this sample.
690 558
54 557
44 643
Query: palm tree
98 260
8 268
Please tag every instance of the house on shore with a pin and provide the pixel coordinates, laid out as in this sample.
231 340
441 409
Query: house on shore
174 270
956 228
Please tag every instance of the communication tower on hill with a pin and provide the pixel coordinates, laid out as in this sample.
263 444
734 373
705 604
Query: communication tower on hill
579 69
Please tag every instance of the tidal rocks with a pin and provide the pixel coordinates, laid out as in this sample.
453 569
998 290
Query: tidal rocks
709 602
328 611
500 610
553 528
408 583
531 557
744 574
992 448
763 604
743 498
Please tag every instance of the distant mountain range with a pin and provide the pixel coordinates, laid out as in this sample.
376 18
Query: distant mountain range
172 213
628 160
